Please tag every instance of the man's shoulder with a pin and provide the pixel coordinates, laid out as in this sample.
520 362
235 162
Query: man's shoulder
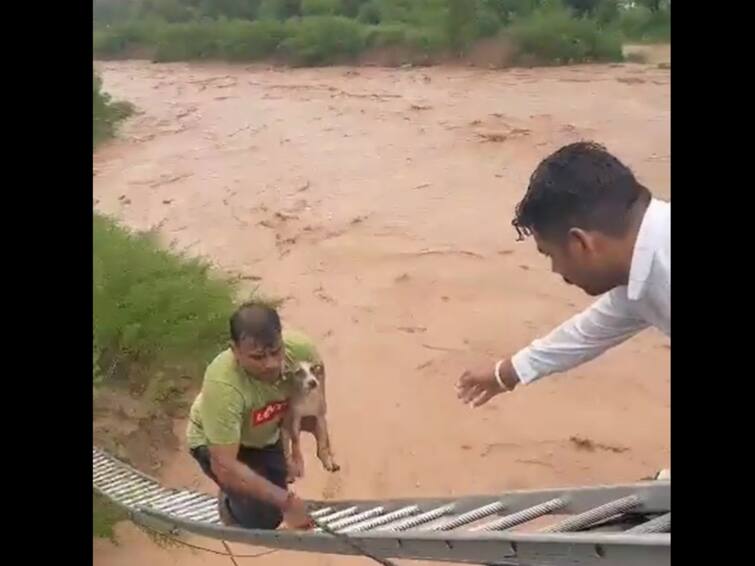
299 346
222 368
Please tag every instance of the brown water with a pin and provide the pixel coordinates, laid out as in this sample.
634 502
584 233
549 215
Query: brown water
379 201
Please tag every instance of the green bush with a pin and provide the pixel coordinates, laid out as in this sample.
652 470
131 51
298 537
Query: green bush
641 24
321 7
279 9
607 12
231 9
370 13
509 10
187 42
387 35
350 8
426 40
153 308
117 39
110 11
419 13
581 8
415 39
461 24
553 36
172 11
310 32
248 41
488 22
319 40
106 114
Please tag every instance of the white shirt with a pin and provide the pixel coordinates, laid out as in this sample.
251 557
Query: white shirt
617 315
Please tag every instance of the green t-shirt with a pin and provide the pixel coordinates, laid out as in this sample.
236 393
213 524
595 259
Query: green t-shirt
234 407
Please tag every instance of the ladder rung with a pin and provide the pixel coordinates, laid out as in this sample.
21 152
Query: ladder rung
420 519
141 495
165 507
338 514
320 512
523 516
468 517
660 524
192 506
584 520
382 520
347 521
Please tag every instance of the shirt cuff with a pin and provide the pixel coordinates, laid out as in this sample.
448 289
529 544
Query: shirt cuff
523 367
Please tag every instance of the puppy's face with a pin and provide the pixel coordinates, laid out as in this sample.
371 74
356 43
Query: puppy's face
308 376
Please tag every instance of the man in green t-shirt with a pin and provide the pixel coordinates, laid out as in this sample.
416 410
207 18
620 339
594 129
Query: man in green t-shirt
234 423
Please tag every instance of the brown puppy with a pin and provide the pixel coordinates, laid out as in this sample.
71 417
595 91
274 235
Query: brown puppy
307 410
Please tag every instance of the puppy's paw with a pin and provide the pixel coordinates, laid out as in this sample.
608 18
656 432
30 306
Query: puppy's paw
295 470
328 463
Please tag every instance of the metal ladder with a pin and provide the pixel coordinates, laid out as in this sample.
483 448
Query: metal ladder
619 525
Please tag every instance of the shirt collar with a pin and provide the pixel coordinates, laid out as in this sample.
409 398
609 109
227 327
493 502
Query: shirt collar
648 241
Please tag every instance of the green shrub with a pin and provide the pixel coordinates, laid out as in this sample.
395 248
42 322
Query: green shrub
106 114
350 8
117 39
231 9
370 13
152 308
279 9
309 32
248 41
607 12
186 42
426 40
171 11
461 23
420 40
319 40
488 22
387 35
509 10
641 24
111 11
321 7
553 36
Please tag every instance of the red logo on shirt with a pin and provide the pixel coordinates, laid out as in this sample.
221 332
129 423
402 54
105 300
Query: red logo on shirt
268 412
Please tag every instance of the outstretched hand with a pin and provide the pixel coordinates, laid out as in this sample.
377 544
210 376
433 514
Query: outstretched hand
478 386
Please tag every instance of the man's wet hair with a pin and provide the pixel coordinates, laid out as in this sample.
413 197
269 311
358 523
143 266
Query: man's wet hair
257 321
579 186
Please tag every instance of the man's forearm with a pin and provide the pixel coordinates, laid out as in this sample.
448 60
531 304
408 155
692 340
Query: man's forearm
583 337
237 477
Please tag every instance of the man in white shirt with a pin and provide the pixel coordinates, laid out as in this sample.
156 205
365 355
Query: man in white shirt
604 232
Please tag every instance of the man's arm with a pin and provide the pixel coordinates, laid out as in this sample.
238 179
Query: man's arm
606 323
222 419
236 476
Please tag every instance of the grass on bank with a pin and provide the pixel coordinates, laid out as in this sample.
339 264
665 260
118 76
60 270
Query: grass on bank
154 310
105 516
